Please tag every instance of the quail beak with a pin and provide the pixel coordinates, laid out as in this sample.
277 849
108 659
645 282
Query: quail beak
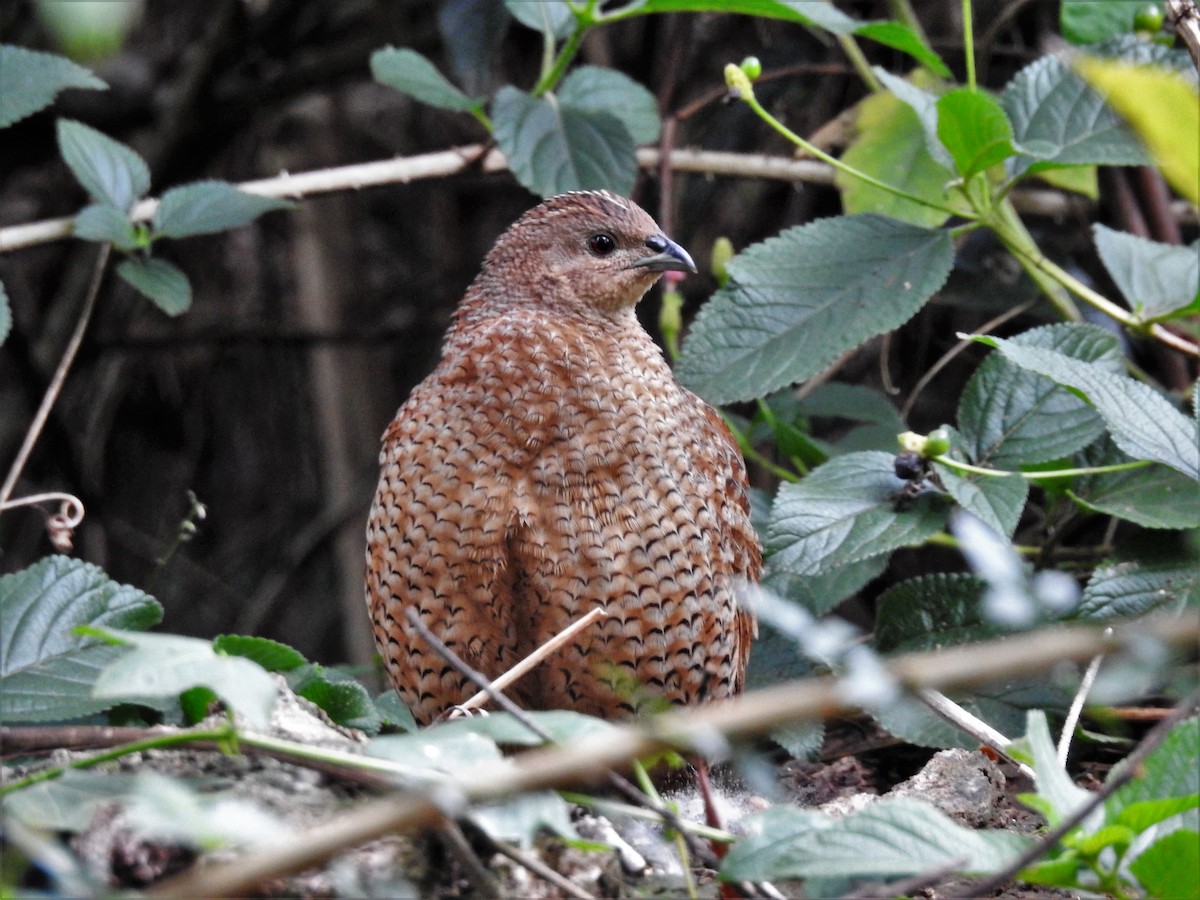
670 257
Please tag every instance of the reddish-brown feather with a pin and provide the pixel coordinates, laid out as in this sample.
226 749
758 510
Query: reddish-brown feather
551 464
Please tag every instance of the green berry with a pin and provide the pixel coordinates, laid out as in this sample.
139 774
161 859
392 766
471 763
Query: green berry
752 67
1148 18
937 442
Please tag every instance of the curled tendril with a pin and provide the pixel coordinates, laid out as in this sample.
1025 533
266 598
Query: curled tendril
60 526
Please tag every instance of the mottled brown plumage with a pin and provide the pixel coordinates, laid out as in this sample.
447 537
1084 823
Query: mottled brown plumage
551 463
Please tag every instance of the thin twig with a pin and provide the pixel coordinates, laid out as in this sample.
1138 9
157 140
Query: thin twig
481 878
970 724
541 870
1129 769
1085 688
535 658
909 887
60 376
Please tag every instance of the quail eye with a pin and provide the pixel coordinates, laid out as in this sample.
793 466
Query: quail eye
602 244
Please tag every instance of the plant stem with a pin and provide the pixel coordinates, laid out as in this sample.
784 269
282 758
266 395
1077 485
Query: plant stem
969 42
752 101
1012 232
1038 476
859 61
554 73
943 539
60 376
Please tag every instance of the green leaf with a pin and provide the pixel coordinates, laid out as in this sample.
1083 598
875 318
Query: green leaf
1141 421
32 80
1142 814
68 802
798 301
561 724
997 502
1170 771
1061 796
46 670
521 819
1153 497
108 170
271 655
974 130
932 611
432 751
1159 280
552 17
597 91
1089 22
5 315
901 37
1058 119
888 839
552 147
206 207
1127 589
819 594
1168 867
890 144
166 665
393 712
104 222
845 511
162 282
408 72
174 813
345 702
1010 417
924 104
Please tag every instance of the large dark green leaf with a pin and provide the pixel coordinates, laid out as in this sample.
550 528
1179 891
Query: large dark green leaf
1089 22
1009 417
163 283
843 512
1158 280
997 502
1141 421
1134 588
1153 497
1058 119
798 301
1168 867
104 222
887 839
46 670
108 170
596 90
32 80
553 147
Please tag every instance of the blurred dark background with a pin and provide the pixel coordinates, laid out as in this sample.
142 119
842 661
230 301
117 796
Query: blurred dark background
309 327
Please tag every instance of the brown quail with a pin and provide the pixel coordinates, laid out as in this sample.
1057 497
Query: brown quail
551 463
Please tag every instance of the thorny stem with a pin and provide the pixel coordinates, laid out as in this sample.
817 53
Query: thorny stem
60 376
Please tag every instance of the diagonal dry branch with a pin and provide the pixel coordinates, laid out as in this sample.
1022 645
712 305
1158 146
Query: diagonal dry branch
586 761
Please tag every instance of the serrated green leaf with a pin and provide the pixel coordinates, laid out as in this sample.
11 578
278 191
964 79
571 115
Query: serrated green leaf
104 222
1089 22
888 839
166 665
408 72
596 90
1059 119
160 281
1141 421
271 655
932 611
393 712
845 511
1168 867
1158 280
206 207
798 301
1141 814
32 80
1153 497
900 37
1169 771
997 502
974 130
5 315
1009 417
108 170
46 670
548 16
1126 589
890 144
552 147
345 702
819 594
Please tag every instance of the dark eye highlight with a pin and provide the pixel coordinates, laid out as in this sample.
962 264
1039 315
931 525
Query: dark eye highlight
602 244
